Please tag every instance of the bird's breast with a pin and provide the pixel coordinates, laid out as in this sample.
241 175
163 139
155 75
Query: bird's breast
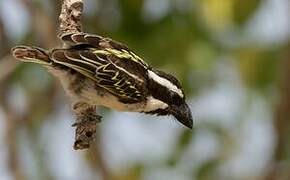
99 96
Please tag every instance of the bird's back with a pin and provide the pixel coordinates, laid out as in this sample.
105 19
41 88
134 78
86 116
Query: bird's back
110 64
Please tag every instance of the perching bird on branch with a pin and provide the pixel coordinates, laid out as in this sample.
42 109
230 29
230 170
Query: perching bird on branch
99 71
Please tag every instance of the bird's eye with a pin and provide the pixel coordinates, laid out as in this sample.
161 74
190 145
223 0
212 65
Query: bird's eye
176 99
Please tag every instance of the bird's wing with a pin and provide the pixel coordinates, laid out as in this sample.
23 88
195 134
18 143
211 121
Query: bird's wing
96 65
81 39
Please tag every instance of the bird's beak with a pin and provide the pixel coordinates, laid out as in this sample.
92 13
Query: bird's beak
183 115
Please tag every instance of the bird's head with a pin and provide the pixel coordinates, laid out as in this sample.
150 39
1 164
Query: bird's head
169 97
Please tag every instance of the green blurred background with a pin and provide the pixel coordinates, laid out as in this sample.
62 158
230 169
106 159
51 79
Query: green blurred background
232 56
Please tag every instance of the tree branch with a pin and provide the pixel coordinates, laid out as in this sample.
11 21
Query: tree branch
87 118
86 125
70 16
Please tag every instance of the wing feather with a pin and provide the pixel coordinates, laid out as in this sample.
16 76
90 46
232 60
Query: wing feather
106 74
103 47
81 38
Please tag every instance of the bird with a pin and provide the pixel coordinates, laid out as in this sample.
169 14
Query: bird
99 71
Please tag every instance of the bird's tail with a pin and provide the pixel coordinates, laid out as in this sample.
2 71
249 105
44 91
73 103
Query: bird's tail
31 54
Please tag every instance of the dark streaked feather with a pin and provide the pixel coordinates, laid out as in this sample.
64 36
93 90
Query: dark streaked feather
31 54
75 39
104 72
159 112
112 47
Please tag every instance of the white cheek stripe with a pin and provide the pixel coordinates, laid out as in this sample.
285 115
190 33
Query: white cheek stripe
154 104
164 82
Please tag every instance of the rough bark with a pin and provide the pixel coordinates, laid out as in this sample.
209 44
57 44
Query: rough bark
70 16
86 125
87 118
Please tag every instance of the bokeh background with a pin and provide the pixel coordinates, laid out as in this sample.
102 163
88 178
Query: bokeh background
232 56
